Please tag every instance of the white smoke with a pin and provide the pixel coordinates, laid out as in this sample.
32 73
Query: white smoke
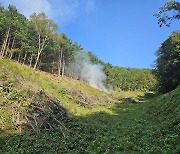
82 68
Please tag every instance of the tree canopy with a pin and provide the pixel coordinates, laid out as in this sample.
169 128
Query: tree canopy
168 63
170 11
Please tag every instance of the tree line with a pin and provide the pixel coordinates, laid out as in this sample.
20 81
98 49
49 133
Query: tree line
37 43
34 42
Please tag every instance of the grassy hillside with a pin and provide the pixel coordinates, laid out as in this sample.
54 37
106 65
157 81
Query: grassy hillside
68 116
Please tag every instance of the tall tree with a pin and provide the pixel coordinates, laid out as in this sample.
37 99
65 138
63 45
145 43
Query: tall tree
45 29
65 53
168 63
14 30
9 25
2 25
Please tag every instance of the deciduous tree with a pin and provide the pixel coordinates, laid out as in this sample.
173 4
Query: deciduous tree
45 29
168 63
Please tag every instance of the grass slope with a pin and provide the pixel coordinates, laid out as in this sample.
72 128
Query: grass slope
104 124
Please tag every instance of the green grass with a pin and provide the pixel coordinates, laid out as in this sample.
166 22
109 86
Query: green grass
27 79
130 123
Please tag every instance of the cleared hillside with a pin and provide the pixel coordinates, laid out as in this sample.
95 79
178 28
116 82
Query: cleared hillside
21 86
42 113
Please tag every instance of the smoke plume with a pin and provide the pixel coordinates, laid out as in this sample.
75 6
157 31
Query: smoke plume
83 69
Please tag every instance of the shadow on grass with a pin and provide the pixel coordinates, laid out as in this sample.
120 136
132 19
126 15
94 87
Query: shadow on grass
124 131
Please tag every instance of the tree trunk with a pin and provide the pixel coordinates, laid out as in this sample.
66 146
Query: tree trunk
11 53
6 49
60 62
39 64
52 68
41 47
5 42
30 64
19 57
63 66
37 60
25 58
2 47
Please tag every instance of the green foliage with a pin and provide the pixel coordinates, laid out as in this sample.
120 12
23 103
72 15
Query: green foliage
168 63
94 59
130 79
164 114
17 36
169 12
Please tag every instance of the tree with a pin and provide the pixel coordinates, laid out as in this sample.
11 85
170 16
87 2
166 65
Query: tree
45 29
167 13
65 53
14 31
9 26
168 63
49 56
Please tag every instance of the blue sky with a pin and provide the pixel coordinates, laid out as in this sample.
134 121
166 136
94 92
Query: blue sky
121 32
